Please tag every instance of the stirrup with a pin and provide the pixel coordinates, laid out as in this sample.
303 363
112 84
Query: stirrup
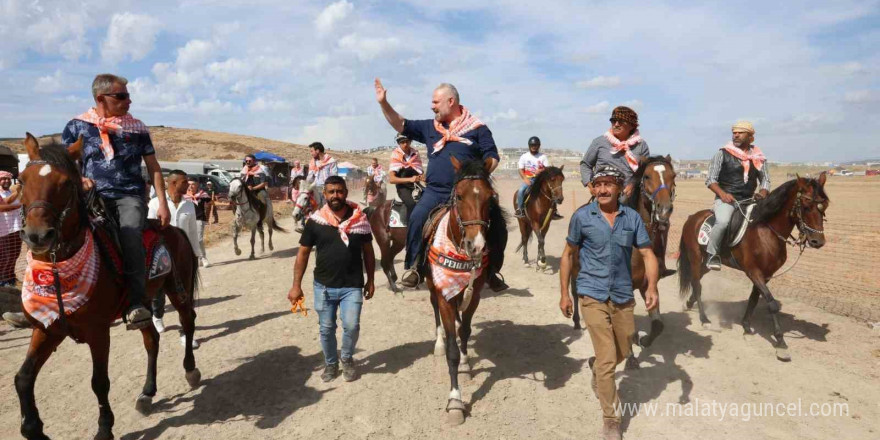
141 322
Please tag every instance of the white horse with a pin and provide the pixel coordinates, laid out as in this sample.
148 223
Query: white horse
252 213
303 203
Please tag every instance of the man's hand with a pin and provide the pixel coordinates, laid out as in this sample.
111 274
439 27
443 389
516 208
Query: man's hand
726 197
380 92
566 305
294 294
369 289
652 299
164 215
762 194
87 184
16 188
628 190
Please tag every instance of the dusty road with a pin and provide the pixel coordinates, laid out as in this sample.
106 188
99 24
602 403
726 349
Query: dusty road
261 367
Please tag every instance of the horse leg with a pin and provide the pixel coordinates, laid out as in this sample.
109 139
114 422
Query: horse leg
572 282
750 308
253 242
42 346
656 324
151 344
271 226
542 257
464 332
186 311
262 238
235 230
99 345
387 263
525 233
454 406
781 347
440 344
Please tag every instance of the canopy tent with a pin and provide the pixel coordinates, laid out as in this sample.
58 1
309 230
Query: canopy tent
347 165
265 156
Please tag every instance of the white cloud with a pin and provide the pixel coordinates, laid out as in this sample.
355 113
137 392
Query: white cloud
331 15
194 54
599 107
508 115
634 104
262 105
368 48
51 83
59 34
862 97
129 35
599 82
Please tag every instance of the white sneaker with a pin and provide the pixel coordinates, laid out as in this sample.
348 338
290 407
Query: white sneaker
160 326
183 342
204 262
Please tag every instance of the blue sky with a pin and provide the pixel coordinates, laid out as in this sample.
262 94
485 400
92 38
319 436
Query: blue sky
806 73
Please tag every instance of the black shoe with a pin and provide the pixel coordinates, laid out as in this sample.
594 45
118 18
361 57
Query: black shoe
556 216
348 372
138 317
16 319
714 263
330 372
496 283
519 213
410 278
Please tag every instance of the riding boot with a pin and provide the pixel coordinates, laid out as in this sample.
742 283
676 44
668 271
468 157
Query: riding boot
556 215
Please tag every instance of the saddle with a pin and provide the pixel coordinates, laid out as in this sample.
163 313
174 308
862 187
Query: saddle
398 214
736 230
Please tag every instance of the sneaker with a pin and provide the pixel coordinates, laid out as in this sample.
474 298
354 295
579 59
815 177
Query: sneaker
204 262
183 342
348 371
590 362
160 326
330 372
138 317
519 213
556 216
496 283
410 278
714 263
16 319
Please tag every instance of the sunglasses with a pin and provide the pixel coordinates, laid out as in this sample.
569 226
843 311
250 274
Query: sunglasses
120 96
616 120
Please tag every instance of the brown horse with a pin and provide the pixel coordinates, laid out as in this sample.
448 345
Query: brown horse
798 203
56 224
390 240
545 192
467 226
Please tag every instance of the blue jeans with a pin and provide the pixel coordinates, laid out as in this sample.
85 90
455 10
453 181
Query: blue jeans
348 300
521 195
417 219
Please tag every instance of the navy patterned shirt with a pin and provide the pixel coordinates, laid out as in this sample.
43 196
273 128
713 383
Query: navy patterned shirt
118 177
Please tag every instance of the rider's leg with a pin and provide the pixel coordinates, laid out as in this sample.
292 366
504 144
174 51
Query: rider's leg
521 200
497 244
132 214
429 200
723 213
404 192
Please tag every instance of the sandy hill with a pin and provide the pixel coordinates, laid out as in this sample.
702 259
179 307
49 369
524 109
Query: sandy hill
173 144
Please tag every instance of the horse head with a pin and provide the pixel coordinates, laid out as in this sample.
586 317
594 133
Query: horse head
236 188
470 206
303 200
51 198
808 210
552 180
657 188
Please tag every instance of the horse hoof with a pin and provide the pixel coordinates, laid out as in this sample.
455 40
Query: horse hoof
527 264
631 364
103 434
708 326
454 417
748 330
143 405
783 355
252 257
194 377
271 248
464 367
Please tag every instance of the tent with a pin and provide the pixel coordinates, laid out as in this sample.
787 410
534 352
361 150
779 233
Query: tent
265 156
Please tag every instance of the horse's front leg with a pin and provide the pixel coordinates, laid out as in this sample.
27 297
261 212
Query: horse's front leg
235 230
271 226
464 331
254 240
263 237
774 307
454 406
151 344
99 345
42 346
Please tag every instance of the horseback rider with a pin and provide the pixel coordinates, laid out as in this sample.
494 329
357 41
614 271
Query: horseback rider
375 172
321 167
733 177
405 172
621 147
454 131
255 177
530 164
114 144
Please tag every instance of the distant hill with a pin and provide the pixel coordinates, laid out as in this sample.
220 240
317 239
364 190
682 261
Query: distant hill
173 144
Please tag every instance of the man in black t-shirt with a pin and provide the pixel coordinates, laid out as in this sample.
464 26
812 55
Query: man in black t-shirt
341 232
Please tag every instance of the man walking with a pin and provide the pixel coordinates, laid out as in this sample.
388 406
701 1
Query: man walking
377 173
603 234
321 168
733 176
454 131
114 145
10 224
341 232
200 199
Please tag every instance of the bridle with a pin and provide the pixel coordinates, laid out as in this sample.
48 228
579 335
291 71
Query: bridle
477 260
651 198
552 190
797 213
60 217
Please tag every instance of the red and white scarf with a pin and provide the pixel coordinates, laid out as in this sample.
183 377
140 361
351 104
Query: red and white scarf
252 170
617 146
443 254
400 160
197 196
325 162
754 155
358 223
79 275
458 127
117 124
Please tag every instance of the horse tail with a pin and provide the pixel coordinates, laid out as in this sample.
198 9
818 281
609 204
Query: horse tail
684 265
524 242
275 226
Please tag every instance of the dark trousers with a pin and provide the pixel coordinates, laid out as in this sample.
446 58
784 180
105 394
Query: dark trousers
131 213
405 191
10 249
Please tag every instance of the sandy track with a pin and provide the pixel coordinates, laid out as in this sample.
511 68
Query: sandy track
261 367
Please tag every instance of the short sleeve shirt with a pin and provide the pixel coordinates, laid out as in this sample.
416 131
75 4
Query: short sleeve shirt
118 177
336 265
532 165
441 175
605 252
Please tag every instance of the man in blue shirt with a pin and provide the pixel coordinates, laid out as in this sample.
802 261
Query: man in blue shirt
452 132
604 234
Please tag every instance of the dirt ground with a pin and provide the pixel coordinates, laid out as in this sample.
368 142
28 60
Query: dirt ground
261 365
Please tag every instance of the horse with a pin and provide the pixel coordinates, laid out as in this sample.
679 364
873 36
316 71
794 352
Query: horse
467 220
390 240
56 227
374 190
303 201
652 197
251 213
545 192
799 203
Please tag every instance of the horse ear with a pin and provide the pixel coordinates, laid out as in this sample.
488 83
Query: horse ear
75 149
822 177
32 147
455 163
669 158
560 168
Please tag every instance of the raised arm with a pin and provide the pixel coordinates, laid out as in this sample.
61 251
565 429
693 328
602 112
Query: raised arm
391 115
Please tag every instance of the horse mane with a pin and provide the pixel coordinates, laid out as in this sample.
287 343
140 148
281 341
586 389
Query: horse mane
635 198
544 176
767 208
252 199
56 155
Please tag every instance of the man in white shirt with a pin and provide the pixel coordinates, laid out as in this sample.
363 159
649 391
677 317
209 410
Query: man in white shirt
10 224
183 216
530 164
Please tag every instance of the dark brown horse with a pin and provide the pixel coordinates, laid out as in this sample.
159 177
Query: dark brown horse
543 194
390 240
467 227
798 203
56 224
